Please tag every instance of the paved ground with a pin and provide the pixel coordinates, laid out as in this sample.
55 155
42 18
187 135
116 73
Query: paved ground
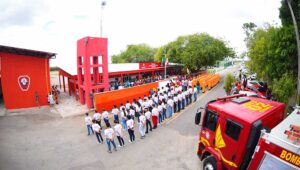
47 141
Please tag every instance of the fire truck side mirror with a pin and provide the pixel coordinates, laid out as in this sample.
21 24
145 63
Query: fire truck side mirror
197 117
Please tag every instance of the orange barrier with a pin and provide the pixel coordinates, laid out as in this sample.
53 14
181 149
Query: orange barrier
107 100
214 80
207 80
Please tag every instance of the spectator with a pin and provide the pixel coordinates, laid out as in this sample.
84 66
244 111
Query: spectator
97 130
88 122
110 135
119 133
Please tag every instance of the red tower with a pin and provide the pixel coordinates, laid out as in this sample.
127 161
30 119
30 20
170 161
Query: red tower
91 61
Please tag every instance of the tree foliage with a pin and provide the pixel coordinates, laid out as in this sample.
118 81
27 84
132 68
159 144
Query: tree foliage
228 81
195 51
135 54
273 53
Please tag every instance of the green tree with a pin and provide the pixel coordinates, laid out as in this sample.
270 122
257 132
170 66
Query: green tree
285 14
135 54
195 51
228 82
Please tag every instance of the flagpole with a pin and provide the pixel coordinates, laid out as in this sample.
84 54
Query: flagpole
166 62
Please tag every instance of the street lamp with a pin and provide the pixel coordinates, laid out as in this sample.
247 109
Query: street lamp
103 3
298 48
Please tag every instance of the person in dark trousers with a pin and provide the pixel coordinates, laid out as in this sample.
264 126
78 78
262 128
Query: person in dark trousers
119 133
97 130
148 120
130 125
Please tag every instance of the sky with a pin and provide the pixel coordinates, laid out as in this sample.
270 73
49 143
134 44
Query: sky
56 25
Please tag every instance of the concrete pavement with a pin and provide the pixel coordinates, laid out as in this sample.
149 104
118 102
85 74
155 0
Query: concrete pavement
47 141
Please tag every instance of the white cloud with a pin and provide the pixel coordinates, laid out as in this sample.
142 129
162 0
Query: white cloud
56 25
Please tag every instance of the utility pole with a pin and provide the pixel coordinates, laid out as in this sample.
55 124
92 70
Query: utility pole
103 3
298 48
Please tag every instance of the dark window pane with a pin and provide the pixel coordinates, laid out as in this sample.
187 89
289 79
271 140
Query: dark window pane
211 120
233 130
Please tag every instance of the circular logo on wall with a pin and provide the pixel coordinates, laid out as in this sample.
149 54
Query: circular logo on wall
24 82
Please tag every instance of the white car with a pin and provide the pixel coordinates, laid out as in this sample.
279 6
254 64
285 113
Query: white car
253 76
249 93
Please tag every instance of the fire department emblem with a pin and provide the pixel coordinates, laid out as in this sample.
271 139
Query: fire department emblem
24 82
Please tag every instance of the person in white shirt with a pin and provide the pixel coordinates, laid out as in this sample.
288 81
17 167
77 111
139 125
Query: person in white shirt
175 99
164 111
148 120
124 117
179 100
127 105
150 103
131 112
155 114
195 93
119 133
105 117
142 125
130 125
115 111
170 103
165 96
110 135
190 94
97 130
138 110
122 106
186 97
88 123
160 110
97 117
140 101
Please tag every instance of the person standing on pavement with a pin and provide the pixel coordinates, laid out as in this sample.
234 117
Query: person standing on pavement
119 133
88 123
105 117
97 130
170 103
160 111
164 111
138 109
110 135
195 93
155 114
175 99
97 117
130 125
179 100
124 117
190 94
131 112
115 111
142 124
148 120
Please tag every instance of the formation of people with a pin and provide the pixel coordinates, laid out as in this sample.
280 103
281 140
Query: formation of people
144 114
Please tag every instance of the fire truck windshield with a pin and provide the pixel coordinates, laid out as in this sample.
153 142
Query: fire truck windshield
272 162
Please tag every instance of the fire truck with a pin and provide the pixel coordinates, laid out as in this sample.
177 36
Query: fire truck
240 132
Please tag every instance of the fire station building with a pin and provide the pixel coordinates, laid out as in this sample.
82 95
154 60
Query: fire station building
24 77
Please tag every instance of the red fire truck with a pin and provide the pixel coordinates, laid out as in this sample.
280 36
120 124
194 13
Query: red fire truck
231 129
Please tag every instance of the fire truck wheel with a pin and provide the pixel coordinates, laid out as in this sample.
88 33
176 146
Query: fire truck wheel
209 163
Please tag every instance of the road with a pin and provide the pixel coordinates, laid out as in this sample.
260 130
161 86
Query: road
46 141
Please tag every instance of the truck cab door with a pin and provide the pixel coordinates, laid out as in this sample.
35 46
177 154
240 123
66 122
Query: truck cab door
228 136
209 127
